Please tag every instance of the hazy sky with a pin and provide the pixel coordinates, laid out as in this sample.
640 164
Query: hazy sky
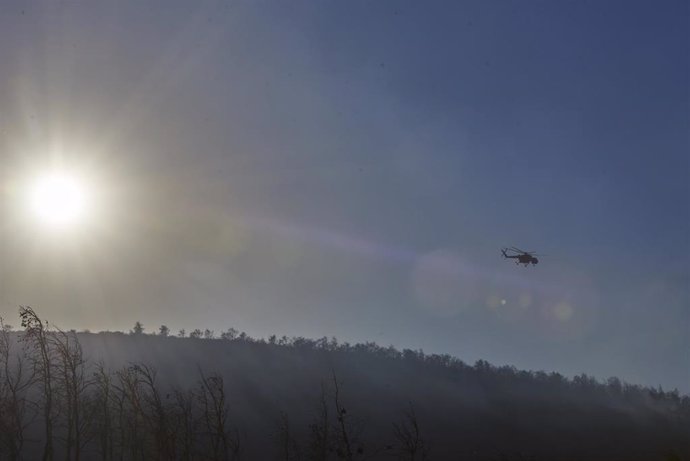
352 169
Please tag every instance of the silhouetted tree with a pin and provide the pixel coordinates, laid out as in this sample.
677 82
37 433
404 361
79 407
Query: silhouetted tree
36 337
196 333
71 377
103 401
345 446
229 334
15 381
154 412
225 443
287 444
163 331
319 431
138 328
412 445
133 438
186 426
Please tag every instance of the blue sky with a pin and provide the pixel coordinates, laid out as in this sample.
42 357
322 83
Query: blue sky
353 168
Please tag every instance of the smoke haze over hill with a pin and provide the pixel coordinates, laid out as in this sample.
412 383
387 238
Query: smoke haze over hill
275 391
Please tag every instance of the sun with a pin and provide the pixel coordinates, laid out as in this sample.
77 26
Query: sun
58 199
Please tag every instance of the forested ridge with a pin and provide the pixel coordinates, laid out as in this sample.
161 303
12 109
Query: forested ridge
227 396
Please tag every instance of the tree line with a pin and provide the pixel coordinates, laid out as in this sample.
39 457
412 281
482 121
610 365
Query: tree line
58 403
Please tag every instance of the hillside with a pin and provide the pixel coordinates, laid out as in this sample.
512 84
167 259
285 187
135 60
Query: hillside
317 399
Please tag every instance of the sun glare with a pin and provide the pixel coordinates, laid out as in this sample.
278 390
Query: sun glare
58 199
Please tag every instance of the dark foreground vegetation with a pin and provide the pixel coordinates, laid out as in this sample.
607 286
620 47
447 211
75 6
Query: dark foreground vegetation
115 396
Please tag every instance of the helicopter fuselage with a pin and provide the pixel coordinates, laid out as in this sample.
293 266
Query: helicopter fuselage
523 258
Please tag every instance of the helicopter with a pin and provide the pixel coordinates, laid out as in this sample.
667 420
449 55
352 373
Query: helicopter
521 257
